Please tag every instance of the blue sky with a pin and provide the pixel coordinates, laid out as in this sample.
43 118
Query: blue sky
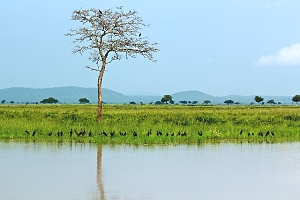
219 48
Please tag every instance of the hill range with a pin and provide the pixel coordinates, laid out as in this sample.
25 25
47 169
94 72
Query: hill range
72 94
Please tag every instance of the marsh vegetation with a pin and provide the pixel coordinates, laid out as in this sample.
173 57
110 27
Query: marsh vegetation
149 124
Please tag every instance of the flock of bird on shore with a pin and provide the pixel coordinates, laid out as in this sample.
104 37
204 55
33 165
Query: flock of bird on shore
112 134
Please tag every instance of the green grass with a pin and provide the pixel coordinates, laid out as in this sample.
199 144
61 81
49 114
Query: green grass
218 123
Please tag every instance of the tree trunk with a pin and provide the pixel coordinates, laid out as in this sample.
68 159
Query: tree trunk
100 93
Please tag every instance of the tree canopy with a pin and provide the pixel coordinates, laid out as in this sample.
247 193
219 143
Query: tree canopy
84 100
49 100
258 99
229 102
167 98
110 35
296 99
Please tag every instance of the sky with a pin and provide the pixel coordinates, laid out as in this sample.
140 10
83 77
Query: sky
231 47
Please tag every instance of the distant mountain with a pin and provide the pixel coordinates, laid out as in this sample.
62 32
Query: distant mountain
192 95
72 94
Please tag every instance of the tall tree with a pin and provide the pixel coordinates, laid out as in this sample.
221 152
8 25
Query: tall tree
296 99
109 35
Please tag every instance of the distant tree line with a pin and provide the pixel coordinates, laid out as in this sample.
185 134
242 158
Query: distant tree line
168 99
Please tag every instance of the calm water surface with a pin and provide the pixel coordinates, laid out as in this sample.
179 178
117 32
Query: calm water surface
85 171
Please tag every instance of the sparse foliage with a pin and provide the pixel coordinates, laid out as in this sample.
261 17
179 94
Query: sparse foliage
3 101
109 35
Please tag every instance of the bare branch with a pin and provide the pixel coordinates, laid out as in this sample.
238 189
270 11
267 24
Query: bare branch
107 34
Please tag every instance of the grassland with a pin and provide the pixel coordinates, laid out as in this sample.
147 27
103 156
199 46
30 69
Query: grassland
217 123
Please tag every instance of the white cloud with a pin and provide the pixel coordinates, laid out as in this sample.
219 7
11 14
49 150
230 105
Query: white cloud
285 56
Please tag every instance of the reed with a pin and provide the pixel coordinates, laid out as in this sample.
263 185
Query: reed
217 123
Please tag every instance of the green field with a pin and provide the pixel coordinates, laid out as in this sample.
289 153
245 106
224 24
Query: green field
217 123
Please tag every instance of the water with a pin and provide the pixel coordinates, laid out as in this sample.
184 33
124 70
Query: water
86 171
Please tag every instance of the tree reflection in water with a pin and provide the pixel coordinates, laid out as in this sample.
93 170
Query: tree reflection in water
99 173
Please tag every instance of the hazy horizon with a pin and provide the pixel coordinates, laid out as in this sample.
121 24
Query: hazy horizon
136 93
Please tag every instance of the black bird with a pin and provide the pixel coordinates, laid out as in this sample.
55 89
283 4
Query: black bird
120 132
140 34
134 134
27 132
241 131
100 12
104 133
58 133
77 133
167 134
184 134
158 133
267 133
34 132
149 133
50 133
260 134
272 133
71 133
178 133
90 133
124 134
112 134
200 133
173 134
249 134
